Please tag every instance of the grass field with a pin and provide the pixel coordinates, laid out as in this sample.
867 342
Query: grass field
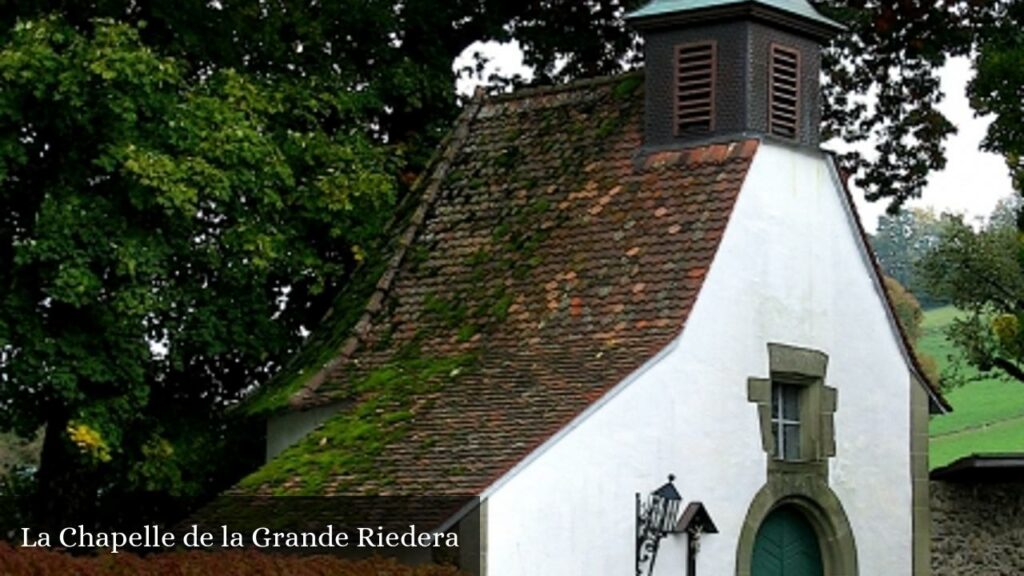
988 414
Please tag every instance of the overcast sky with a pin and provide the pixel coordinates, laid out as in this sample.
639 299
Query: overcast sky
972 182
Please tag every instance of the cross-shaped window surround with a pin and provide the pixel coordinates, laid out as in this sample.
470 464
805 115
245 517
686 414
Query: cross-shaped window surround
795 408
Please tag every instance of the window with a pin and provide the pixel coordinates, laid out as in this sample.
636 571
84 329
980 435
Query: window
784 92
695 87
786 421
795 409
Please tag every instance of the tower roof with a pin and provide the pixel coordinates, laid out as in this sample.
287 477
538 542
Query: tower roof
798 8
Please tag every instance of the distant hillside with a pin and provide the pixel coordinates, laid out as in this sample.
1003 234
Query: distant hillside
988 414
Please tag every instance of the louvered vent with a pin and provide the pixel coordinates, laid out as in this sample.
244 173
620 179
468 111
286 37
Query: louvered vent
695 88
784 92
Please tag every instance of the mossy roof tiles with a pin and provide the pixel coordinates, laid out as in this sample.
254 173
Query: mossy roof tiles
552 256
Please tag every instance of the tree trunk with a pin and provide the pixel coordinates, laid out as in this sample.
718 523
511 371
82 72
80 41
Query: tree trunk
63 489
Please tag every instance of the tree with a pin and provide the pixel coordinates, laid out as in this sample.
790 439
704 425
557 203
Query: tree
909 315
996 87
164 239
900 241
402 53
893 50
982 273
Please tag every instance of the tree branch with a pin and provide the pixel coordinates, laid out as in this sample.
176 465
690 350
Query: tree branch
1010 368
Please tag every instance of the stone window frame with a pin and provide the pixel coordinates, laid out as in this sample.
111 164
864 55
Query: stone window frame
801 484
806 368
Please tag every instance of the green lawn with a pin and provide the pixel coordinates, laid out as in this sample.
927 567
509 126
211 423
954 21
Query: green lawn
988 414
1007 436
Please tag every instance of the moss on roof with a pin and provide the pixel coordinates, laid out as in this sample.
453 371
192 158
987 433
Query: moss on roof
341 452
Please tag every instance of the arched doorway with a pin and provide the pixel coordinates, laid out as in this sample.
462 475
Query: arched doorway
818 507
786 545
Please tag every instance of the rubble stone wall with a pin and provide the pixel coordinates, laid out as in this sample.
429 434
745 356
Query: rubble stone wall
977 529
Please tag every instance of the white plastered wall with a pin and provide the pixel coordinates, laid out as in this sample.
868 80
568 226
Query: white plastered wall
789 270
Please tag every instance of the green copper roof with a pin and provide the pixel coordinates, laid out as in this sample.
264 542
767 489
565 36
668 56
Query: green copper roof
800 8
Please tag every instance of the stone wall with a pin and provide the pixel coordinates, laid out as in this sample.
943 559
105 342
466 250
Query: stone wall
977 529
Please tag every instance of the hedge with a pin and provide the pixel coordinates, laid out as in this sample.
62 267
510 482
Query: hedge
44 562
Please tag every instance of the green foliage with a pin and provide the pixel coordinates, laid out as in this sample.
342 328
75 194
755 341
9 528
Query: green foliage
331 331
164 240
17 491
982 273
996 87
401 53
893 51
908 310
986 400
16 452
909 315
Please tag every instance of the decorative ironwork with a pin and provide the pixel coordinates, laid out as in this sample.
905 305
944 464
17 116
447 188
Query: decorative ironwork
655 519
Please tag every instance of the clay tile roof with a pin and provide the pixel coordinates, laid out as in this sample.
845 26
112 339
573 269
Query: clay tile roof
550 258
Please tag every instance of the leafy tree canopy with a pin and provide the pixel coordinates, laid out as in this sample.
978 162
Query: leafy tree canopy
981 271
998 86
164 239
400 52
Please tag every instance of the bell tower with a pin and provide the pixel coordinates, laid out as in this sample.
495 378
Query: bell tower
720 68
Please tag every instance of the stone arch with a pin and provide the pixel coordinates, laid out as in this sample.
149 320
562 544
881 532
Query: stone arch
823 510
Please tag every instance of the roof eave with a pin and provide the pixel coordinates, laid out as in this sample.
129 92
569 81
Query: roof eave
817 27
983 468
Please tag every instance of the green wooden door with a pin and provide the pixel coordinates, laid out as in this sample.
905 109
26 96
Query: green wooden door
786 546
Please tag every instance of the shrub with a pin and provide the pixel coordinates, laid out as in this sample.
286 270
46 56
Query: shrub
44 562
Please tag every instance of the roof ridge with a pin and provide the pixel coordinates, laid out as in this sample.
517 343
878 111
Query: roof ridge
551 89
432 178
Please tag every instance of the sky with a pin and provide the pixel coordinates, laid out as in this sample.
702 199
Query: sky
971 184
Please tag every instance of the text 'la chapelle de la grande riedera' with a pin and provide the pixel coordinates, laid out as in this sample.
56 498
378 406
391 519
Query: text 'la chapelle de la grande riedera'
77 537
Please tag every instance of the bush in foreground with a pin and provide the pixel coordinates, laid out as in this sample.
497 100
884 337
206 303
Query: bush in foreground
43 562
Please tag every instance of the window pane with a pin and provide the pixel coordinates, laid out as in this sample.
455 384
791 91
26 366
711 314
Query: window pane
792 441
790 402
775 441
776 400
